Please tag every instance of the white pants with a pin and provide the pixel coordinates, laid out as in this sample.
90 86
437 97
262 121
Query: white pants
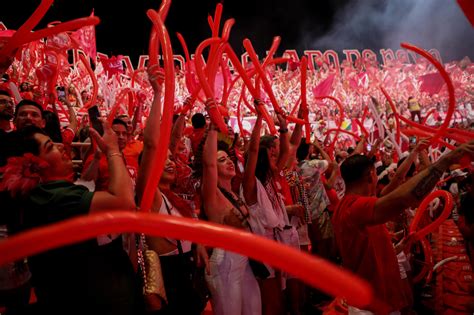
234 289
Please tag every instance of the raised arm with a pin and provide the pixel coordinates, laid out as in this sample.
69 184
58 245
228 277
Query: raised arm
284 143
249 181
411 193
324 154
360 146
151 134
295 141
402 171
120 191
177 132
209 172
73 123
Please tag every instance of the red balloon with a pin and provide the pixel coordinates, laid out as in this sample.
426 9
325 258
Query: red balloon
167 117
304 104
448 206
154 43
427 269
313 270
258 67
214 114
16 40
60 28
95 85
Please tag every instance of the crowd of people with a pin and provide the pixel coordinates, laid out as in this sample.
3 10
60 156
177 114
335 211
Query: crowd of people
348 199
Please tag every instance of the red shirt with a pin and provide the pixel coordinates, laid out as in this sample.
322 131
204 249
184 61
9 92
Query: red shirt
102 182
367 250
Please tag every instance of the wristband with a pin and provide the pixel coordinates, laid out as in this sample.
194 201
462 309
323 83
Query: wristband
283 130
114 154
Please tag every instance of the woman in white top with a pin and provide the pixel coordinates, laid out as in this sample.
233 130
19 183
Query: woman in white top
234 289
261 188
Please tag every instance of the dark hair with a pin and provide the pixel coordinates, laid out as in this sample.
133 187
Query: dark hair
355 168
118 121
198 121
52 126
22 141
303 150
122 116
28 102
4 92
350 150
263 164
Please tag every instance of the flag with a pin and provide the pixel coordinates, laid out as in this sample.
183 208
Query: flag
85 40
431 83
325 87
112 65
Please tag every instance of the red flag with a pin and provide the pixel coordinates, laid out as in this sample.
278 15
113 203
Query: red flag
325 87
431 83
468 7
85 40
112 65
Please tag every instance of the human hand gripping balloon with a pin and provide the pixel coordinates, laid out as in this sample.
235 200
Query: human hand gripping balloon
156 77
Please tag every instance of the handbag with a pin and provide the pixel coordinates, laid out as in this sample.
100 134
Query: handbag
259 269
154 293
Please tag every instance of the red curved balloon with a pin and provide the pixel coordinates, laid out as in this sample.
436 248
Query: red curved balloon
362 128
60 28
167 117
430 131
214 46
225 75
423 134
448 206
268 88
95 85
452 100
226 29
273 48
313 270
16 40
213 111
428 114
154 43
304 104
427 269
343 131
239 121
118 101
185 47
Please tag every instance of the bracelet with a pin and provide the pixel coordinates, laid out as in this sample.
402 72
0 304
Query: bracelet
114 154
283 130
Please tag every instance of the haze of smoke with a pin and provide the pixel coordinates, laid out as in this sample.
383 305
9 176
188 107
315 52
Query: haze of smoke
377 24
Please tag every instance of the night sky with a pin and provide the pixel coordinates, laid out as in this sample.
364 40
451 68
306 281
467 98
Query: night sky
125 29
